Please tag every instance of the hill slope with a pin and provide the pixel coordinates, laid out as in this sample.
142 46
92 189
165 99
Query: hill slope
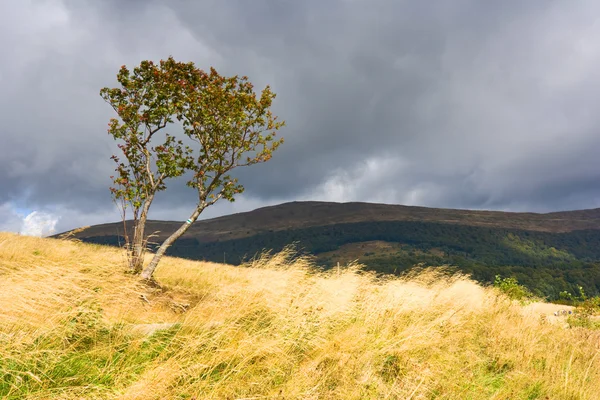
74 325
550 253
298 215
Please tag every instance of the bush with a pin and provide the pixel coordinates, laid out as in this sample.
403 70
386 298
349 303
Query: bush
511 288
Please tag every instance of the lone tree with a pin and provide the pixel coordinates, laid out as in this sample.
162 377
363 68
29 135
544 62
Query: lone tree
227 125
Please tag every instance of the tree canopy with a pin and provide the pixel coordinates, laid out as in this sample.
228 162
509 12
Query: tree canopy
221 124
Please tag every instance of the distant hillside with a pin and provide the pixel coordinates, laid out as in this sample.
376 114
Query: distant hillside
313 213
550 252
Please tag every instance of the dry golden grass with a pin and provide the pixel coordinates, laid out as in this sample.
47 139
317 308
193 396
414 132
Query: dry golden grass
74 325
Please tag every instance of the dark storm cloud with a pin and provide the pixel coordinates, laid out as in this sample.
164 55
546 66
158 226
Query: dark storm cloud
459 104
498 89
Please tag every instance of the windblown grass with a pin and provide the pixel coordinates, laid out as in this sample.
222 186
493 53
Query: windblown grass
73 325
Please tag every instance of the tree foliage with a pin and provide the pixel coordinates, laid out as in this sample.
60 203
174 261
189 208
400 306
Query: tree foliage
222 125
145 105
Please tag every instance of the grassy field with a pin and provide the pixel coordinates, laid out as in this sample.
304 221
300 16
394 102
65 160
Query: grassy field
74 325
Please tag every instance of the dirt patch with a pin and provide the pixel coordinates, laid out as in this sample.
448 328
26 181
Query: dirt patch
553 313
547 308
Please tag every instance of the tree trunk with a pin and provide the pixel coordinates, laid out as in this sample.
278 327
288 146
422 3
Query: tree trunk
138 246
149 271
136 263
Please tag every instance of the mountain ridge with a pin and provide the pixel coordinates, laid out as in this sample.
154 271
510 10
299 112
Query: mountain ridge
303 214
550 253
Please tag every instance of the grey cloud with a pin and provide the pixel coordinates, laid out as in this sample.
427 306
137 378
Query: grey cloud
463 104
10 221
450 89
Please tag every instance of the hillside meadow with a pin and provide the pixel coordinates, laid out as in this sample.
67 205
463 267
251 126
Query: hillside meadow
75 325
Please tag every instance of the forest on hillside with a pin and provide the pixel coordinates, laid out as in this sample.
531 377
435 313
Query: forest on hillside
547 263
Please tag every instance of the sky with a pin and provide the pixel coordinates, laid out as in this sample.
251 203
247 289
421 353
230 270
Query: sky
461 104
